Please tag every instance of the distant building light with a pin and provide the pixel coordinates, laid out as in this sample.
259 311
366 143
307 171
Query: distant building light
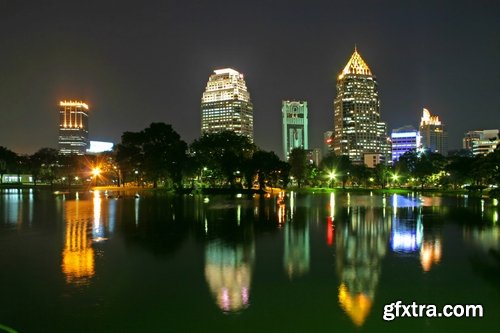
100 147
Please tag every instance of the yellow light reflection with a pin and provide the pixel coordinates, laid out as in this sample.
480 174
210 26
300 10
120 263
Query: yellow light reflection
78 254
430 253
356 306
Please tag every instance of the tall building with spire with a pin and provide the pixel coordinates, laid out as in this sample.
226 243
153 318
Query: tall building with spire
226 105
434 136
73 127
295 126
358 129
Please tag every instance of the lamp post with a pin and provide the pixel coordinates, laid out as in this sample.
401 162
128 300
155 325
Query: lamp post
96 172
395 177
331 176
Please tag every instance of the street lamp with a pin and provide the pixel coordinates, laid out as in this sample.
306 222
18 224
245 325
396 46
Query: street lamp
96 172
331 176
395 177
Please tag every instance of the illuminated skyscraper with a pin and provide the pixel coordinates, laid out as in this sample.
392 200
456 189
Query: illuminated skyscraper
357 128
295 128
73 127
434 136
225 104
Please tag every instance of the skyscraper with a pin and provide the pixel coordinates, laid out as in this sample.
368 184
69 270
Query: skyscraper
434 136
225 104
358 129
295 126
73 127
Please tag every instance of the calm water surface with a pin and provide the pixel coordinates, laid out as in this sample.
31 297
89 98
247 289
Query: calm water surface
305 263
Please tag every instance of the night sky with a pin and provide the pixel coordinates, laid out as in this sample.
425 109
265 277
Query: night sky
149 61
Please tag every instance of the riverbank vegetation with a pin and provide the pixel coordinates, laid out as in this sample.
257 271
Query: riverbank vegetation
157 157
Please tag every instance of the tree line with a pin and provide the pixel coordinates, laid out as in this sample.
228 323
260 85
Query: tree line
158 157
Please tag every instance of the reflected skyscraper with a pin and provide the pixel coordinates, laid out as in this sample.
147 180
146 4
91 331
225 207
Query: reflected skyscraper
361 244
78 263
228 271
296 256
229 254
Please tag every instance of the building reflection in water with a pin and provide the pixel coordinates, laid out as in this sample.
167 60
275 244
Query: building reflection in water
229 252
361 243
17 205
86 222
78 255
228 271
430 253
296 257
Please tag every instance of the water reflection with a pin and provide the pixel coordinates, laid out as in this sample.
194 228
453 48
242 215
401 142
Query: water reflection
361 243
228 271
87 222
229 252
296 256
17 206
78 263
430 254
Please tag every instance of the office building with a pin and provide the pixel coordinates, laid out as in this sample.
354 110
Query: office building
358 129
433 133
295 126
481 142
73 127
403 140
226 105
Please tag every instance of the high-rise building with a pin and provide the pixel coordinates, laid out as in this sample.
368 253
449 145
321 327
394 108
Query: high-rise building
295 128
73 127
225 104
327 143
358 129
481 142
404 139
434 136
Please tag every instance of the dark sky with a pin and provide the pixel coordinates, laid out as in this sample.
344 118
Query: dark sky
148 61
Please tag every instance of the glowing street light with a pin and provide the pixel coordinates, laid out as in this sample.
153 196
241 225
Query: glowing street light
395 177
96 172
331 176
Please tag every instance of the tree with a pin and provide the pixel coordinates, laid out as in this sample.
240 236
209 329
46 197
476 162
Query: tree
266 165
42 164
222 155
157 152
8 162
298 165
339 165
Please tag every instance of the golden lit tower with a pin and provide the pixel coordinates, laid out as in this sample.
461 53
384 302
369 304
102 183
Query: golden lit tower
73 127
225 104
434 136
357 126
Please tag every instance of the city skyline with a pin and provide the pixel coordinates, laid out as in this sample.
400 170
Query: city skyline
423 53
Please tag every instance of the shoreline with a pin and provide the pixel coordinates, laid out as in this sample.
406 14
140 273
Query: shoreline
215 191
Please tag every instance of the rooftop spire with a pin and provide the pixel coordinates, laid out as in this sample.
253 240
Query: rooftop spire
355 65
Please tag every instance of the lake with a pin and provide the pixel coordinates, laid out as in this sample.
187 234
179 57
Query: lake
289 262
